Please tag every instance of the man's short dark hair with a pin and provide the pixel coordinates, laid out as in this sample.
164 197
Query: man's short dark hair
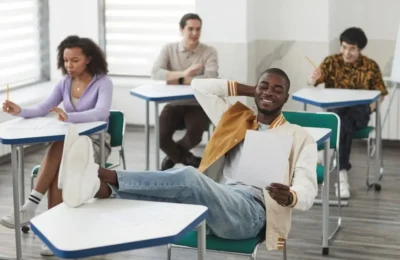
354 36
189 16
278 72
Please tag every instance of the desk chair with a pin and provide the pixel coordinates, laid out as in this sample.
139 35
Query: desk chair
245 247
322 120
116 129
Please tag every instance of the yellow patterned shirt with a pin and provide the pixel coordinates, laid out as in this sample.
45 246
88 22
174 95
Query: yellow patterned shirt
364 73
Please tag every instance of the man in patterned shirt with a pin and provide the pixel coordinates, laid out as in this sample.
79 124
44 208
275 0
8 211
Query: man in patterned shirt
350 70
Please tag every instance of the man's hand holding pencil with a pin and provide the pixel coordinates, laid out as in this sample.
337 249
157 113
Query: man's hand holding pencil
315 74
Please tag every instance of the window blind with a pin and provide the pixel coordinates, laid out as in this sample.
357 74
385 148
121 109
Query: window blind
136 30
20 43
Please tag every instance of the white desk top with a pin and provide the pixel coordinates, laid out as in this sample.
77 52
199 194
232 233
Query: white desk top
320 135
114 225
42 129
329 98
160 92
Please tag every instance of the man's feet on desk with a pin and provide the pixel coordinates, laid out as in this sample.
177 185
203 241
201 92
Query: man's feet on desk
80 175
24 216
70 138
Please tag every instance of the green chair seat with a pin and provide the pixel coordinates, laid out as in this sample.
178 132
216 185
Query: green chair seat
320 173
245 246
363 133
35 171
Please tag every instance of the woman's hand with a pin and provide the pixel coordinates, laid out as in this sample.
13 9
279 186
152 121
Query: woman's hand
11 108
62 116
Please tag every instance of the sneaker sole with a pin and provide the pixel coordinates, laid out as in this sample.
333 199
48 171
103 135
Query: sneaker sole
11 226
46 253
70 138
77 159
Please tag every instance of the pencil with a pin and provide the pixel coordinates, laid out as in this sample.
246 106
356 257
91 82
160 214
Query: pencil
312 63
8 92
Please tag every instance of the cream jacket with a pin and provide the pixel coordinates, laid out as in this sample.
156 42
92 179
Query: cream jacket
232 121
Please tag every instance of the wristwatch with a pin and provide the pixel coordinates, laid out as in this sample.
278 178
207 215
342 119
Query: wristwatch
180 81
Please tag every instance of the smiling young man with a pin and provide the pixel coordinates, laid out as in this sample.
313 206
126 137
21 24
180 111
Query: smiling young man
350 70
236 210
179 63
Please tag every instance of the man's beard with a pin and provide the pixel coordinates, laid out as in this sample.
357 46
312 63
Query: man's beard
269 112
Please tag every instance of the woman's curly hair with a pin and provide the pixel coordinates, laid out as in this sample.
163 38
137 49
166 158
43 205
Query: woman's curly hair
98 63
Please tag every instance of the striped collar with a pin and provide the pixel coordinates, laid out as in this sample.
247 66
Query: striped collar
278 121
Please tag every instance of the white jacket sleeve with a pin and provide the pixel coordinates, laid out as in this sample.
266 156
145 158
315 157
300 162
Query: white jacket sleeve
304 182
212 94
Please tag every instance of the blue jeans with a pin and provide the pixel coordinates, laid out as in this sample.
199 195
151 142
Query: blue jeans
232 213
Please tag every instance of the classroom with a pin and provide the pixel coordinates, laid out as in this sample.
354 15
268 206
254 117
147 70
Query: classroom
199 129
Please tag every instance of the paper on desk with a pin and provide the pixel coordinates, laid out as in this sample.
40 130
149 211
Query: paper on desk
264 158
33 123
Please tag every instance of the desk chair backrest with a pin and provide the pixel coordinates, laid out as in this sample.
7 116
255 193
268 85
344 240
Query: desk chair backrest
320 120
116 127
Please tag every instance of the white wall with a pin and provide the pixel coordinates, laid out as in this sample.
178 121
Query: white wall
215 25
301 20
71 17
379 19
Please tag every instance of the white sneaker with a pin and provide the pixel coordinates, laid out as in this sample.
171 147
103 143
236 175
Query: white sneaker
80 176
344 185
70 138
45 251
24 216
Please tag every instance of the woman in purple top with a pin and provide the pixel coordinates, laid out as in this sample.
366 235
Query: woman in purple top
86 93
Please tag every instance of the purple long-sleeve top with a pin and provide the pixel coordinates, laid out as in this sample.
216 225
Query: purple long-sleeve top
94 104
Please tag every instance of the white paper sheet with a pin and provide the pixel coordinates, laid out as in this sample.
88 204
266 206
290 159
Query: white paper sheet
264 158
32 123
36 123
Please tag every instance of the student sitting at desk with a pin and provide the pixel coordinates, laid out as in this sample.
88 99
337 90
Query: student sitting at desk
350 70
86 92
179 63
236 210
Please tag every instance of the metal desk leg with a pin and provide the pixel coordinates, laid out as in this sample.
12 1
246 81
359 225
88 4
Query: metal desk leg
201 241
157 133
325 203
102 147
379 137
21 174
377 175
147 133
14 168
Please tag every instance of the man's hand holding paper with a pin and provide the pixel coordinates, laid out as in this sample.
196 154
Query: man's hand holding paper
264 162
